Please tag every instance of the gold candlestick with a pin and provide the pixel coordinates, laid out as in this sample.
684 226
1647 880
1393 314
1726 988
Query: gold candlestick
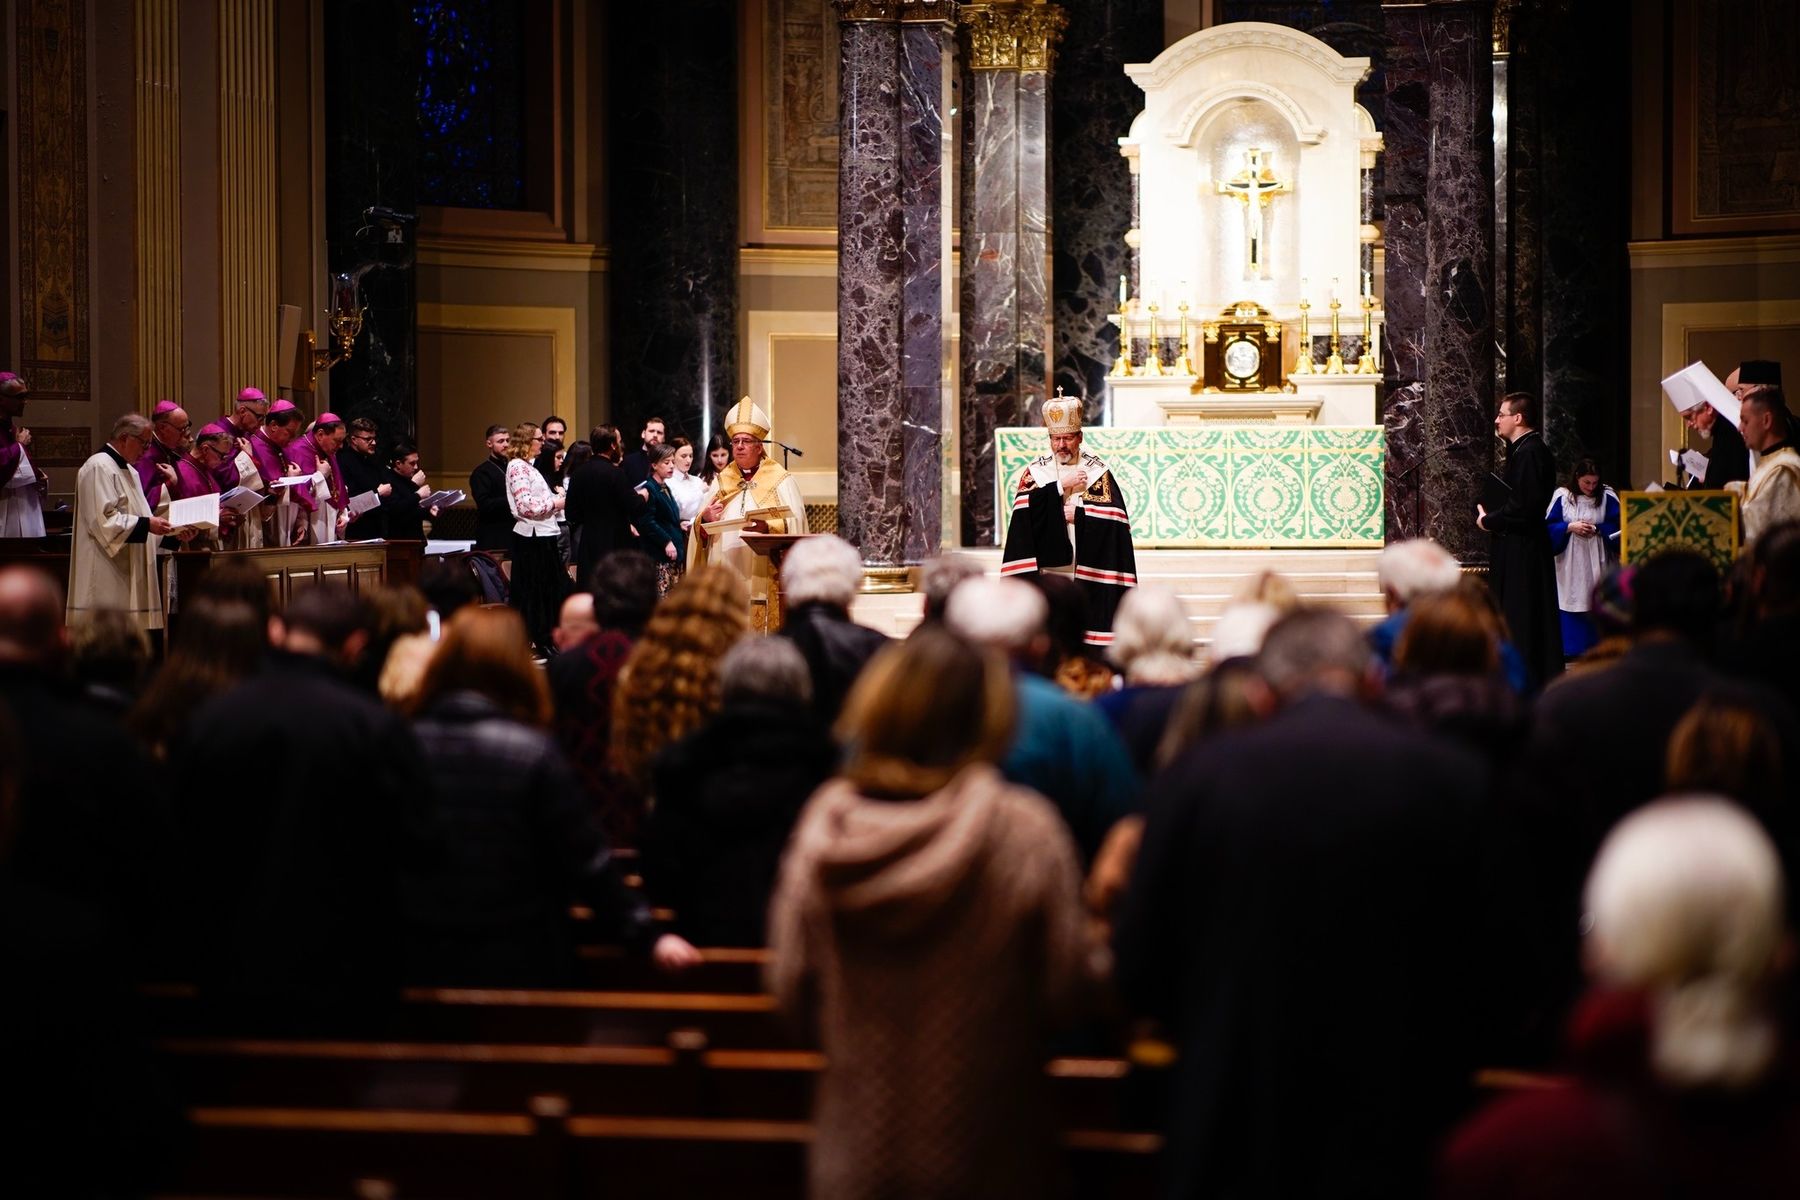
1367 362
1153 364
1334 365
1303 361
1121 368
1184 365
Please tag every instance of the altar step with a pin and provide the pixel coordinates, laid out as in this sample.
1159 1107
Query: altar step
1206 580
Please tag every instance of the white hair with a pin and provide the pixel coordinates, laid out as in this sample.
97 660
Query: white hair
1005 614
1685 901
1410 569
1240 629
823 570
1152 641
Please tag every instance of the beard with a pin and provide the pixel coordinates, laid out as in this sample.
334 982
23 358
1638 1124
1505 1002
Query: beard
1067 458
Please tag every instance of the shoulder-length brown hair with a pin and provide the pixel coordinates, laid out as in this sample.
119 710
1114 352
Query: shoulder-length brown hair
518 444
923 710
670 684
487 651
1449 633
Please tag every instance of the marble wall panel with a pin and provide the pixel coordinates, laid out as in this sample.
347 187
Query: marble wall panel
372 159
989 313
1459 320
1407 137
924 70
672 200
1092 107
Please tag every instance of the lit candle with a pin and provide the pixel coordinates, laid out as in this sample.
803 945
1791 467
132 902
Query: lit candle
1369 283
1124 295
1303 287
1334 287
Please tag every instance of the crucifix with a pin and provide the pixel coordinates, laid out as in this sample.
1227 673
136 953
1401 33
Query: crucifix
1255 186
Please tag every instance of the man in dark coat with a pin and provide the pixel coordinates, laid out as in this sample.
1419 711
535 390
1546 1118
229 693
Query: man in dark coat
636 465
1523 567
1306 915
294 859
601 505
818 581
487 487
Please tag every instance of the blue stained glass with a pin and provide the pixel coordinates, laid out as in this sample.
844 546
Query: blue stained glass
470 103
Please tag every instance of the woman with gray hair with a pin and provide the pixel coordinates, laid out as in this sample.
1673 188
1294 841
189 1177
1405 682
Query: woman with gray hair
1678 1092
1153 647
728 794
819 578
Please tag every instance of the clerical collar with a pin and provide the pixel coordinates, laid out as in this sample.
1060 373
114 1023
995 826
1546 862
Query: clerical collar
116 456
750 474
1784 444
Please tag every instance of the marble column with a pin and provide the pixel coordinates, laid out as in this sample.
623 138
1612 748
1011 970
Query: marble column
372 160
1459 273
1093 106
1006 235
893 242
1522 241
1407 136
672 204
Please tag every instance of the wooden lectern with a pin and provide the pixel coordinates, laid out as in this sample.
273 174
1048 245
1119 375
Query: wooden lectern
774 547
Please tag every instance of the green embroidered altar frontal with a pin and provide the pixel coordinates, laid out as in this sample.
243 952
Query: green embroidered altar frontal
1224 485
1704 522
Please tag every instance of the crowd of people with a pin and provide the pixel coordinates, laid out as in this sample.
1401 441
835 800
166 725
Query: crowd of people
1340 869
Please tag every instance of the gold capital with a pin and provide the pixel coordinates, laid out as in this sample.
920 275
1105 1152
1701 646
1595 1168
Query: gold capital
1013 37
928 12
867 10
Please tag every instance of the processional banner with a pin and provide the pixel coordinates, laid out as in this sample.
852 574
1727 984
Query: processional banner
1196 486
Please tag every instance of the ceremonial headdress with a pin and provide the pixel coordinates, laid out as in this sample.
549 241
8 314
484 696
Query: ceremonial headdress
327 419
252 395
12 385
1759 371
745 417
1694 385
164 408
215 429
281 406
1062 414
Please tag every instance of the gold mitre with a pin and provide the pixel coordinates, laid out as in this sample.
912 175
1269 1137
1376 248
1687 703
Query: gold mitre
745 417
1062 414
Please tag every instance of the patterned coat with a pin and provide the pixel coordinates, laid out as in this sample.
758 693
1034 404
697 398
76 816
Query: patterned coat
1038 537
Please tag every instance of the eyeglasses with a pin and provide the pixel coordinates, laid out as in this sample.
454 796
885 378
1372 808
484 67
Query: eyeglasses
362 437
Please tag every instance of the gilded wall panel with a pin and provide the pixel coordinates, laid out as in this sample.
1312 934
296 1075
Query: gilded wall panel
51 85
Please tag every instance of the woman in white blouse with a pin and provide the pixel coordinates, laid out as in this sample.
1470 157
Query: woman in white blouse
687 488
539 581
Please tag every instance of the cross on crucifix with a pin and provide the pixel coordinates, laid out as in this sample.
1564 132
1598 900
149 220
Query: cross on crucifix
1255 186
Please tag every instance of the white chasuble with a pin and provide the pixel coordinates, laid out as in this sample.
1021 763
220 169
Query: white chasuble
106 570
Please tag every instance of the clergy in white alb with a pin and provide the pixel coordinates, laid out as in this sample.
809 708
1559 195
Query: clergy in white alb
112 562
1773 494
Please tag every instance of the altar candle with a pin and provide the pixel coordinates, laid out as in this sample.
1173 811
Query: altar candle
1332 295
1124 295
1368 283
1303 287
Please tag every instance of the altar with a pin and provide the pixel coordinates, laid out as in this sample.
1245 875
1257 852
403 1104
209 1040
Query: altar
1244 407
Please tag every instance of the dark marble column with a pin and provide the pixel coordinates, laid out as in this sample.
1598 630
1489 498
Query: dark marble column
892 246
1459 273
1407 138
1523 237
672 204
372 160
1093 106
1006 240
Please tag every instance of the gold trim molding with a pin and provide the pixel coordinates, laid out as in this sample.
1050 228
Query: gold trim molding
867 10
1714 252
511 254
909 11
1009 37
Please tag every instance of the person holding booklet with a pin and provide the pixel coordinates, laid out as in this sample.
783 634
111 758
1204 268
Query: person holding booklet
750 495
196 475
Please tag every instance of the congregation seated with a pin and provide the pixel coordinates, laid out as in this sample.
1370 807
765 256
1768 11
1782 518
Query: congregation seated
1153 649
1447 675
728 794
506 841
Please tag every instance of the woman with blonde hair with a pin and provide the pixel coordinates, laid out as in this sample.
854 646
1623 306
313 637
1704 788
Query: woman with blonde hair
928 927
670 684
538 582
512 840
1678 1089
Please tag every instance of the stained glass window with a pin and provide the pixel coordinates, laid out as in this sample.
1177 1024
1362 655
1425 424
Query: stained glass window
471 114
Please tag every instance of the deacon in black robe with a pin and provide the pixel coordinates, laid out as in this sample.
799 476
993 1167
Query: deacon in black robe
1727 460
1069 514
1523 566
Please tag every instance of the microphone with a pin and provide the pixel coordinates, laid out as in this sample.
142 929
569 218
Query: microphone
793 450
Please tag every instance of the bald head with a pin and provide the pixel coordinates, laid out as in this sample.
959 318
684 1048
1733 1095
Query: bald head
31 617
576 621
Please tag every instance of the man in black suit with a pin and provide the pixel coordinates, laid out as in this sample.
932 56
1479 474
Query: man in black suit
1523 570
1306 915
487 487
601 504
637 463
363 473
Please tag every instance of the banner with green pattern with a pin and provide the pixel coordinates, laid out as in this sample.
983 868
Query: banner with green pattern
1223 485
1704 522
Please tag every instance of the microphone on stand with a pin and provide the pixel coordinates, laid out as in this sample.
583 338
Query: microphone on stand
787 450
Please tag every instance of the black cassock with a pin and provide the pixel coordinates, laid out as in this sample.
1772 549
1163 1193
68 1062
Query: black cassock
1037 538
1523 573
1727 458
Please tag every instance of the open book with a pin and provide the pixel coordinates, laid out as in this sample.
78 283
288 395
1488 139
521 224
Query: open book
196 512
755 514
241 500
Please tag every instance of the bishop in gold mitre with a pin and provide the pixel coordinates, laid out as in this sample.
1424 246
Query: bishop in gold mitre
750 483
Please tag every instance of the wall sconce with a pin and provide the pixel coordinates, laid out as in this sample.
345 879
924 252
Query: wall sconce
345 321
